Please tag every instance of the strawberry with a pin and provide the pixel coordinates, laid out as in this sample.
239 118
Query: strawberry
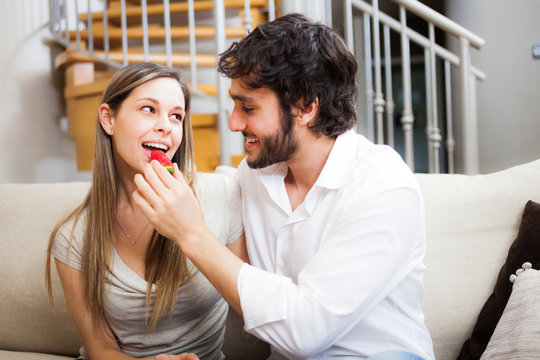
163 160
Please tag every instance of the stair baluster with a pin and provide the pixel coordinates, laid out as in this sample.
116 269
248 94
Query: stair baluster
439 159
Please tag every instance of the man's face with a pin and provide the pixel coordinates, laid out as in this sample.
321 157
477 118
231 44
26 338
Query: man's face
258 115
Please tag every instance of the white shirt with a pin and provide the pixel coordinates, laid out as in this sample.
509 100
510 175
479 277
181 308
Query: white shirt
341 275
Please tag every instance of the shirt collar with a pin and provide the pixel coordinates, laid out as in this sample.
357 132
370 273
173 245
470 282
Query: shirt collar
337 170
278 169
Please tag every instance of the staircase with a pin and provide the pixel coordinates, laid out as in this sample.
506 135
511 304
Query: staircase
181 34
417 92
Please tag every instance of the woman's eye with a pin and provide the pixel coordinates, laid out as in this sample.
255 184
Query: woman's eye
147 109
177 117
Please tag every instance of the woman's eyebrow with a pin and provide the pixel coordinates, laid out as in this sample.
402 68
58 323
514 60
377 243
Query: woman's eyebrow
155 101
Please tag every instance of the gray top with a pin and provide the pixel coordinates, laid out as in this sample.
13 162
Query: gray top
198 321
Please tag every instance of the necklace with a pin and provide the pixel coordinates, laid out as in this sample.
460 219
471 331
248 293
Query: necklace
125 232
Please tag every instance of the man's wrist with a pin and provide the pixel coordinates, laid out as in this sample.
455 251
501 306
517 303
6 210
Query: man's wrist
195 242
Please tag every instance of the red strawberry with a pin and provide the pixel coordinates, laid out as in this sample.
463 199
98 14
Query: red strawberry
163 159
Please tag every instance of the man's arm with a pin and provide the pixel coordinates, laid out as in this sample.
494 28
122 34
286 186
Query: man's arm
173 210
375 243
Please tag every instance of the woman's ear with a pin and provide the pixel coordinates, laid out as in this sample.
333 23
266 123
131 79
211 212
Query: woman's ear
105 118
307 113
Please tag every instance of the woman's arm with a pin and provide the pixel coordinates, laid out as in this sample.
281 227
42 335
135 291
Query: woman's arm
100 344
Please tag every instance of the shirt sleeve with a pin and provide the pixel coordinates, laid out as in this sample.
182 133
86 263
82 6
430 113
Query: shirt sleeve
376 243
234 209
67 246
221 203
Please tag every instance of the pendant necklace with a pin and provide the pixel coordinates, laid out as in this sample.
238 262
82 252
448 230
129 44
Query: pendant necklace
125 232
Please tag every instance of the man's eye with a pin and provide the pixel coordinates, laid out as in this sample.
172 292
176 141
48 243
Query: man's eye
247 110
147 109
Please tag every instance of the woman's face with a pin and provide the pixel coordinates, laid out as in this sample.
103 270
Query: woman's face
150 118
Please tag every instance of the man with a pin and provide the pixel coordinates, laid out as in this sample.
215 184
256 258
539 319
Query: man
334 224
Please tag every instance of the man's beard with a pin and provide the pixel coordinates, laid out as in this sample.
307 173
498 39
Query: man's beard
275 148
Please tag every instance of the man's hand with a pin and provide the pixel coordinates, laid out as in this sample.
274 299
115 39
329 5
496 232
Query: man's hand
185 356
168 202
171 207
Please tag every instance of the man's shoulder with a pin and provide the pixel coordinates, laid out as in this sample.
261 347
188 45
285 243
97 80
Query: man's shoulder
381 165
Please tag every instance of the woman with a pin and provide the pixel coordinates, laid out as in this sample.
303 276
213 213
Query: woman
129 290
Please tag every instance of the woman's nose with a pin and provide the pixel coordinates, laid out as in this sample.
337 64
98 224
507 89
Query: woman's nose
163 124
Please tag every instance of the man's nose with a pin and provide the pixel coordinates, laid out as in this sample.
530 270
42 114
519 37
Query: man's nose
236 122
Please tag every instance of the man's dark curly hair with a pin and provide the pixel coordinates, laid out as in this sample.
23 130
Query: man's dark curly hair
300 61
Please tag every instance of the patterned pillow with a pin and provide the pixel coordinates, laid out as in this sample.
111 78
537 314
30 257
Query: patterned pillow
517 332
525 248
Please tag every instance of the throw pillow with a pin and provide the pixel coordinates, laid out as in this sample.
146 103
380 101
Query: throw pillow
517 332
525 248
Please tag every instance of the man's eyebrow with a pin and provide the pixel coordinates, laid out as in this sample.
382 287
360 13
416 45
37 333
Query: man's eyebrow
240 97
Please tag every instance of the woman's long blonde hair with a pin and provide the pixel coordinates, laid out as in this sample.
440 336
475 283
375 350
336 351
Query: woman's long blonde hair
166 266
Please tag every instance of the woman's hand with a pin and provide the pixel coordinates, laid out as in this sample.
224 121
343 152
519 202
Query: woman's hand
185 356
168 202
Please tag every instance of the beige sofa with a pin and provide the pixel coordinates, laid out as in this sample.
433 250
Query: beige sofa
471 221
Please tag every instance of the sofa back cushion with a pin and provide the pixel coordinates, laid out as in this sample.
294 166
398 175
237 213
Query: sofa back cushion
27 215
471 223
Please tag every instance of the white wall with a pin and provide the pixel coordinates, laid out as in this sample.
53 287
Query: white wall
32 146
317 10
509 99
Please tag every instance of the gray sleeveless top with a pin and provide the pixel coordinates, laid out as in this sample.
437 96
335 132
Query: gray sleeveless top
198 321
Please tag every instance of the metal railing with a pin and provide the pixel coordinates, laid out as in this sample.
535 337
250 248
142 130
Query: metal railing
381 129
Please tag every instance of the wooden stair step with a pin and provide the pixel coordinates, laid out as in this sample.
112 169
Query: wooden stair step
96 87
155 32
176 59
138 2
203 120
114 14
206 88
71 56
99 80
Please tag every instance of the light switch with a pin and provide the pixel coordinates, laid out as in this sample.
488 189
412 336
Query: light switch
536 51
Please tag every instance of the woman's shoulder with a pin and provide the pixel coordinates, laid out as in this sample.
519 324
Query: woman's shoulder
220 200
216 188
68 242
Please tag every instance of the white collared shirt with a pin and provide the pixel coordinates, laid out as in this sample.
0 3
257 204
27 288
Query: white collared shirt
341 275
